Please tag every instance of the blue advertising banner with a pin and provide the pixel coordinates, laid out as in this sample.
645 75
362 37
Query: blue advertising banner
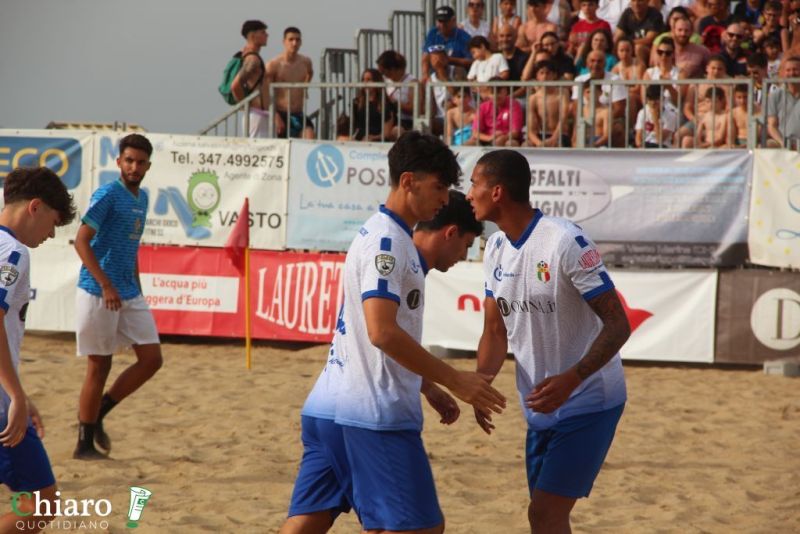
67 153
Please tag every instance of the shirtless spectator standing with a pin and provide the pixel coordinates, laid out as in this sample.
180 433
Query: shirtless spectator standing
251 77
291 67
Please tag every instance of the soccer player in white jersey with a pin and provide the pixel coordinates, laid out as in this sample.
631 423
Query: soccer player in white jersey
36 201
549 300
323 488
378 403
111 312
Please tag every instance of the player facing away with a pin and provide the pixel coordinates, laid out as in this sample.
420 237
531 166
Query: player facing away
110 309
323 487
551 301
36 201
378 403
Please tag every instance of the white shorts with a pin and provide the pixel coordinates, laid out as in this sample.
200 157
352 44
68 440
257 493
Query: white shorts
101 331
259 123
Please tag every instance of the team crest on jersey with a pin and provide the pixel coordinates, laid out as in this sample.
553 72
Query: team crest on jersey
384 263
8 275
543 271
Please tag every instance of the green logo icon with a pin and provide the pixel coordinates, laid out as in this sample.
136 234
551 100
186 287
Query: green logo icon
203 196
139 497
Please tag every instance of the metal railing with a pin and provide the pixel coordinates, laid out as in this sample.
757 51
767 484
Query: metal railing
229 123
339 65
408 35
552 112
370 44
337 106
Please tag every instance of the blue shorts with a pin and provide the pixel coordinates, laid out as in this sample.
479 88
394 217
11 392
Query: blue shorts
26 467
392 480
566 458
323 482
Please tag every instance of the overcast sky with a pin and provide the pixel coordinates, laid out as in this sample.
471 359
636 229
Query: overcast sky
156 63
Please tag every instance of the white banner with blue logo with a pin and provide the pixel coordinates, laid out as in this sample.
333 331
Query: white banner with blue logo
774 233
334 188
671 313
197 186
68 153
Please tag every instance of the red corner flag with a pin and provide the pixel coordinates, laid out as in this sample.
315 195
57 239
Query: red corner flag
239 239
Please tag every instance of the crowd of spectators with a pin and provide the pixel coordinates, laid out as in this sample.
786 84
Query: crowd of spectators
708 42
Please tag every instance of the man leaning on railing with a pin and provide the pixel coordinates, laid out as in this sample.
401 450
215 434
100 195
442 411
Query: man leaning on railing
783 108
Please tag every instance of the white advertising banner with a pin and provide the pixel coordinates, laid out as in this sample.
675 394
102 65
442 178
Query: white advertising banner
68 153
180 292
54 277
774 229
334 188
197 186
671 313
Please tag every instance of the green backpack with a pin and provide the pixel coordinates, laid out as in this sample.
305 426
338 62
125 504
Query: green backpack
229 74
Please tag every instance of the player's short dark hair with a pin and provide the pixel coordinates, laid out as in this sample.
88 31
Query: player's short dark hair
479 41
252 26
137 141
510 169
28 183
459 212
390 60
291 29
418 152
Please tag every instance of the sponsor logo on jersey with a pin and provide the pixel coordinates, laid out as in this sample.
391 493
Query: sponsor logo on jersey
8 275
543 271
384 263
589 259
414 299
525 306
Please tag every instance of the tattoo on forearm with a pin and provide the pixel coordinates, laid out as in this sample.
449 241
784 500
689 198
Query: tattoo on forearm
615 332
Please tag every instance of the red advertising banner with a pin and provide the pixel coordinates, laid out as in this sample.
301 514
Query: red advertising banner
198 291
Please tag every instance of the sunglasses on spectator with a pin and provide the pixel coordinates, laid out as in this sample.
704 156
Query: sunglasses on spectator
735 35
664 52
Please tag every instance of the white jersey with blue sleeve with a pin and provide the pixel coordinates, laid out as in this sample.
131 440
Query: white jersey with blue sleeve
541 284
378 393
15 289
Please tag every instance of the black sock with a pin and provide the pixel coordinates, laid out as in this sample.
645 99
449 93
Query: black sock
85 435
106 405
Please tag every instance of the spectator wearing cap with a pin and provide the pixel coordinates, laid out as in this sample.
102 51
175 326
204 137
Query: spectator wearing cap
732 52
252 77
448 34
475 24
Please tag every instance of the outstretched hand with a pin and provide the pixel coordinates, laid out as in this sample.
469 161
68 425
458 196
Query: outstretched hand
475 389
552 392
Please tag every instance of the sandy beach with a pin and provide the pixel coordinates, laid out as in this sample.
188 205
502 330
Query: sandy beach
698 449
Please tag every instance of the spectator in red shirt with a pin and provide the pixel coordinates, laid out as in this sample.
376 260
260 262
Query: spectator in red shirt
586 25
499 118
